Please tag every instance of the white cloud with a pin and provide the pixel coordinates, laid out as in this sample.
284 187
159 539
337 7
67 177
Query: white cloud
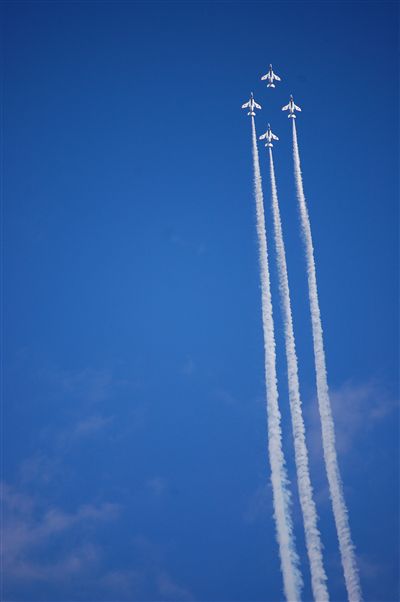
357 408
259 507
188 367
225 397
91 425
169 589
371 569
30 525
157 486
39 468
92 385
72 564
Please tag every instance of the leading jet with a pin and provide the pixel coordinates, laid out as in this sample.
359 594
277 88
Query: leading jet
271 76
251 105
291 107
269 136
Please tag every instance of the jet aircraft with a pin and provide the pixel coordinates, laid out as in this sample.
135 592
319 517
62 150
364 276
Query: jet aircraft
291 107
271 76
269 136
251 104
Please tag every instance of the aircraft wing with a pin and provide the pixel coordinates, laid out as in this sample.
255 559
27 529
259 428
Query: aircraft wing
274 137
266 76
278 79
297 108
263 136
245 105
286 107
257 105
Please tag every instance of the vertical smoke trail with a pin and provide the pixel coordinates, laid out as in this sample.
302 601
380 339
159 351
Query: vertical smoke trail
328 431
312 535
292 580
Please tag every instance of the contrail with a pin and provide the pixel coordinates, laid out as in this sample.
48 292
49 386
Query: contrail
310 518
292 581
328 430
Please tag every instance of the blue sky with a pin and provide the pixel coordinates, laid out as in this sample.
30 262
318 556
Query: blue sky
135 455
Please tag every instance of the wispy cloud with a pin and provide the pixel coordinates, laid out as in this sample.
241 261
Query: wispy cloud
188 367
72 564
88 384
122 584
31 524
169 589
259 506
357 408
225 396
371 568
143 584
39 468
157 486
187 245
91 425
45 545
151 579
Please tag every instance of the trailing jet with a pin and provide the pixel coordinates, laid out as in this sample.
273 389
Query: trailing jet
251 105
269 136
291 107
271 76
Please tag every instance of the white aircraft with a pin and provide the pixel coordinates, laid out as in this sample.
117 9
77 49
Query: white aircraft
291 107
269 136
251 105
271 76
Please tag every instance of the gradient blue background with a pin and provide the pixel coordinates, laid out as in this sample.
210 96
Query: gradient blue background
135 453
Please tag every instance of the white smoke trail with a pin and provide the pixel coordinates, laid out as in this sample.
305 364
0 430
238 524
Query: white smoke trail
328 430
312 535
292 581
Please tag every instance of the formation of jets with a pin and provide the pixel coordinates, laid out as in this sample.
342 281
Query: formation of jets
252 105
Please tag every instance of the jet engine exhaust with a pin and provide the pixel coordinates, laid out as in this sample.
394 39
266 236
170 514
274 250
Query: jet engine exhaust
310 518
292 580
346 545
